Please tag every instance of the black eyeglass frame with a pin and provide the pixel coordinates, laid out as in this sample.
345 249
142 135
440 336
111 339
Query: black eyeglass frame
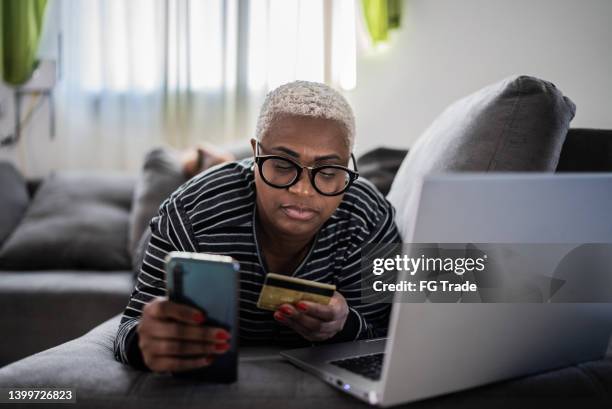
312 171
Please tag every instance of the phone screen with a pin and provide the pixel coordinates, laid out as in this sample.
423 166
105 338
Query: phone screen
210 284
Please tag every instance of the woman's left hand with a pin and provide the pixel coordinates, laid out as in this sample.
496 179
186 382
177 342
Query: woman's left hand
315 322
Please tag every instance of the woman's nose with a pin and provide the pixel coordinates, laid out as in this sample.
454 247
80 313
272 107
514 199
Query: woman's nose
303 186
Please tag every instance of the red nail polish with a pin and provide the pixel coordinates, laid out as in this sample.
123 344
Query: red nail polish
222 347
286 310
222 335
279 317
199 317
301 306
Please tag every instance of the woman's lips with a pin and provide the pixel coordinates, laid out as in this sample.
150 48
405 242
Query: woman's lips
302 214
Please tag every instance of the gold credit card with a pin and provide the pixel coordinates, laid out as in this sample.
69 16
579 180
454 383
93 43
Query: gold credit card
279 289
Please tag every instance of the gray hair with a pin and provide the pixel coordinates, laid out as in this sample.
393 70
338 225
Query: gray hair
305 98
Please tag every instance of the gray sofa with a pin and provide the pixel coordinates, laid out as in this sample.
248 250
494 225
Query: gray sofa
69 248
51 292
43 308
267 381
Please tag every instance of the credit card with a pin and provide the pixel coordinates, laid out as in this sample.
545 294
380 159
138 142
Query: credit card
279 289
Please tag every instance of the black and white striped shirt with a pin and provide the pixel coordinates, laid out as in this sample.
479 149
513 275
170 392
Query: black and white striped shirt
215 213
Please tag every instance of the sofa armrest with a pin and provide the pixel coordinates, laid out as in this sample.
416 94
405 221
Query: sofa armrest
42 309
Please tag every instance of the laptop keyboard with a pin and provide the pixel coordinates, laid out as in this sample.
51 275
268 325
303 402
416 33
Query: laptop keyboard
368 366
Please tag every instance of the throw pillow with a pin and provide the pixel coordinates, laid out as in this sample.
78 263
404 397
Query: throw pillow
75 221
161 175
517 124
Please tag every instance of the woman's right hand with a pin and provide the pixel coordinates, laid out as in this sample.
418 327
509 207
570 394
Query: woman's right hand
172 337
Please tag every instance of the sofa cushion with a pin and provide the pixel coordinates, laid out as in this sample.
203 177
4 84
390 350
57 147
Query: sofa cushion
267 381
14 199
161 175
75 221
380 165
517 124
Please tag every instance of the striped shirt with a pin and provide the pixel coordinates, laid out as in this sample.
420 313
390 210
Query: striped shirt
215 213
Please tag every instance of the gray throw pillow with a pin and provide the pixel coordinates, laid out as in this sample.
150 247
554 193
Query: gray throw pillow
75 221
161 175
14 199
517 124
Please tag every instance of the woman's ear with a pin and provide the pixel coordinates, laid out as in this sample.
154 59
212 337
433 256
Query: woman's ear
254 147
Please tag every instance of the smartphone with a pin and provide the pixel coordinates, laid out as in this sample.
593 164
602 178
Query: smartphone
210 284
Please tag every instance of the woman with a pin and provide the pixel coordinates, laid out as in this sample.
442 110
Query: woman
296 208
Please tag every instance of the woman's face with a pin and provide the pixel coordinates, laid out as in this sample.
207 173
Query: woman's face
299 210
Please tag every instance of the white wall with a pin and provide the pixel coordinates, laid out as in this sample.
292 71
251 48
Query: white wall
449 48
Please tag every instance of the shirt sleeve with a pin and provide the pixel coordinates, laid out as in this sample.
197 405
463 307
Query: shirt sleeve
170 231
368 318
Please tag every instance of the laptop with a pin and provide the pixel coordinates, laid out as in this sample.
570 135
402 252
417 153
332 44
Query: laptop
438 348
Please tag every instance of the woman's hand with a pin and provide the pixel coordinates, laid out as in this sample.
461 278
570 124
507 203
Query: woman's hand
172 337
315 322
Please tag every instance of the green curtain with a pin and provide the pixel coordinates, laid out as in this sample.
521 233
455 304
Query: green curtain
22 22
381 16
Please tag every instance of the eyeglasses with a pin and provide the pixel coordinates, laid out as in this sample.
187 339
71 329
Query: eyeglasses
281 172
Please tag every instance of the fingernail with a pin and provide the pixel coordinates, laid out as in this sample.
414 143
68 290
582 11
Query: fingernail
279 317
222 347
199 317
223 335
301 306
286 310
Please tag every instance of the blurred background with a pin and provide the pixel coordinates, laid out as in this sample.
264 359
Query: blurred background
95 84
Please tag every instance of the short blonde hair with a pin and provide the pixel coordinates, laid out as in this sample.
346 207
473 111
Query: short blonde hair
305 98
